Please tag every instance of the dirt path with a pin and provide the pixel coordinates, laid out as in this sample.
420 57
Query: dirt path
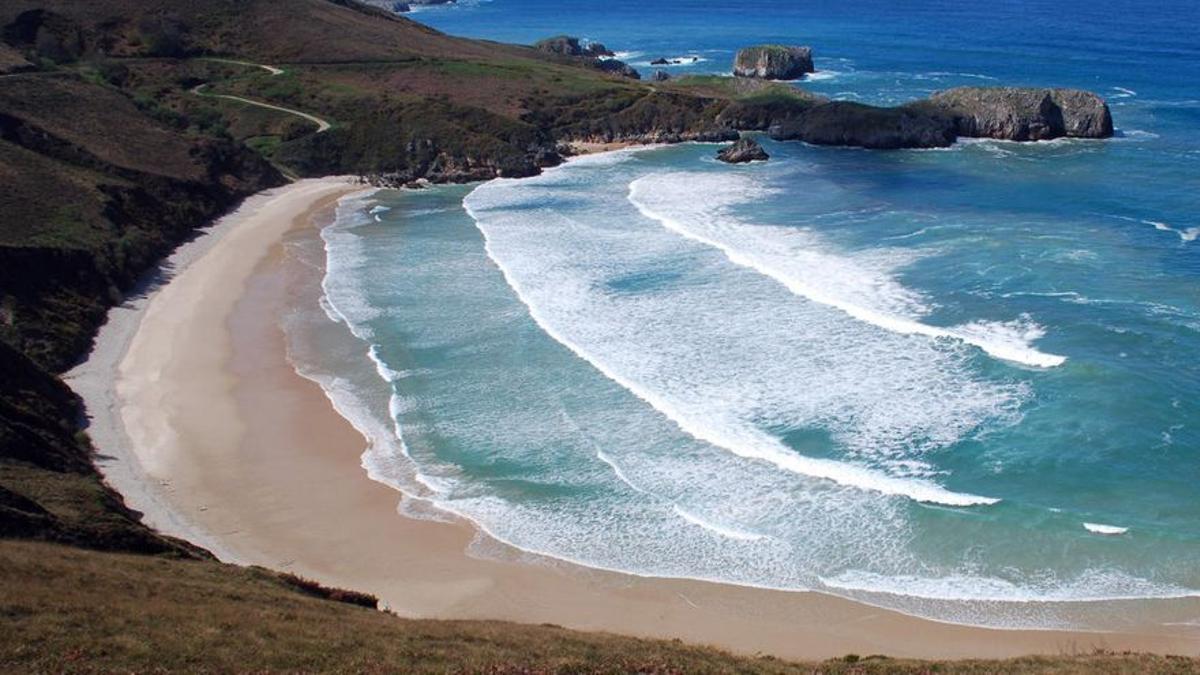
322 124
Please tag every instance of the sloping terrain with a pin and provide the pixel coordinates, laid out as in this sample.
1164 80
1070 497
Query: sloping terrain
179 615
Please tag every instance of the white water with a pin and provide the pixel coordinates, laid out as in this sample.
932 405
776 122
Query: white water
721 359
792 257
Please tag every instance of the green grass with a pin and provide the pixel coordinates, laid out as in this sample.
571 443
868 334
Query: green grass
264 145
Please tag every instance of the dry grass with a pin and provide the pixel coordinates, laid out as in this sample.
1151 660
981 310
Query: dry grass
68 610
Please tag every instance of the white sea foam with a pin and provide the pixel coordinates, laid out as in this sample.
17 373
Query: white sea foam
1089 586
672 61
720 350
791 257
822 75
729 362
1185 234
713 527
1098 528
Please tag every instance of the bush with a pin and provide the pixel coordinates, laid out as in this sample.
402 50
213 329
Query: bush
335 594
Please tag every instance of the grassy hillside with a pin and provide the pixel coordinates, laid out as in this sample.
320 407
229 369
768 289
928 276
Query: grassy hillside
405 100
163 614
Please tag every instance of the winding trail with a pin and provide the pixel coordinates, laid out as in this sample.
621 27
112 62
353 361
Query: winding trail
322 124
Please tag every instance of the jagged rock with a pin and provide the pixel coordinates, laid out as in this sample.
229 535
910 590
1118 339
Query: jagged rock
619 67
560 44
660 62
1019 114
660 76
594 54
744 150
597 49
773 62
567 45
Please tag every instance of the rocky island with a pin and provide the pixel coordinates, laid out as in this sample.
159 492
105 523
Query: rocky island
744 150
773 62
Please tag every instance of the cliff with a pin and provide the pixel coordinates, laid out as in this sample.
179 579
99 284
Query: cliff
1003 113
1025 114
773 62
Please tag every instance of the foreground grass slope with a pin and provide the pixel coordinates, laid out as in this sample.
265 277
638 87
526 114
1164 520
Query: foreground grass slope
168 614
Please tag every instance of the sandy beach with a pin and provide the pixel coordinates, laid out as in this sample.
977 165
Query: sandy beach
206 428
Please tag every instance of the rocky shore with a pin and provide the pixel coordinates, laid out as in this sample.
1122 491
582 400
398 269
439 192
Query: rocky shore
1002 113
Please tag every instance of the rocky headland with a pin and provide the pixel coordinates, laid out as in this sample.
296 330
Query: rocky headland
593 54
1025 114
1002 113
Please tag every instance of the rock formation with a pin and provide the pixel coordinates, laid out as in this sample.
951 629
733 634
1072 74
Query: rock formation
1003 113
594 54
567 45
660 76
864 126
1025 114
744 150
773 62
618 67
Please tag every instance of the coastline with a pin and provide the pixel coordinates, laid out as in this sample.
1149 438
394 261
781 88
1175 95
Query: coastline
218 440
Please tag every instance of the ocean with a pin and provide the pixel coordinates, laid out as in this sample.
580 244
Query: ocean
958 383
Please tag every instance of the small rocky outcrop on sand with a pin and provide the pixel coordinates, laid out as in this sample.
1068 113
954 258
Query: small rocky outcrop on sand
660 76
773 62
744 150
1023 114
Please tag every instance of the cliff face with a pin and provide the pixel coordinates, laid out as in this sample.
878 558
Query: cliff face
1003 113
773 62
1025 114
95 192
858 125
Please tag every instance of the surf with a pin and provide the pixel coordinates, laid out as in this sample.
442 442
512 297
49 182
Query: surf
768 251
703 423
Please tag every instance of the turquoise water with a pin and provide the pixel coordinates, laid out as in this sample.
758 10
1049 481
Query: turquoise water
959 383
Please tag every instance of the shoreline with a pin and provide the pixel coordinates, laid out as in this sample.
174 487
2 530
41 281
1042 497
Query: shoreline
218 440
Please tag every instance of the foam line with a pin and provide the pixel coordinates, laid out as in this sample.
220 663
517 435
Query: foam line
747 444
981 335
713 527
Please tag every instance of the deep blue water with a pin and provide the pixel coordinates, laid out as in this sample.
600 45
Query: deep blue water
938 381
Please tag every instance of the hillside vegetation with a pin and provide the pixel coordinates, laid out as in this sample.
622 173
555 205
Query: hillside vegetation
110 158
164 614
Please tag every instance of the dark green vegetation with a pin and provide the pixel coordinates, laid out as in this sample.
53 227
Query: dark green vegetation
109 159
